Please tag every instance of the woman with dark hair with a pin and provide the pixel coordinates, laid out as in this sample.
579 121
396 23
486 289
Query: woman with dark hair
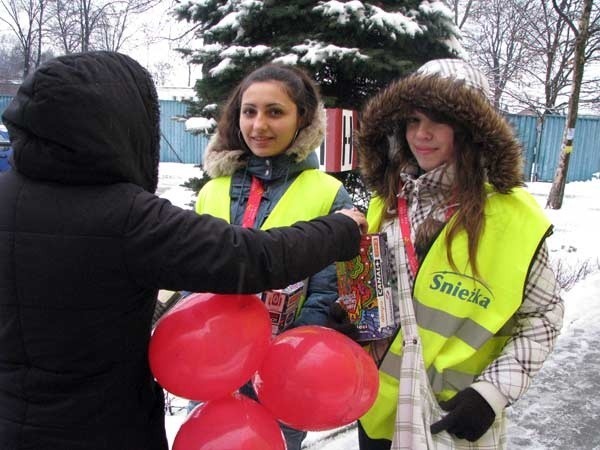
265 173
477 300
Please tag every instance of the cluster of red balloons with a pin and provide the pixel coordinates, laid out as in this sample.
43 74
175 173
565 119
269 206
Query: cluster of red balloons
311 378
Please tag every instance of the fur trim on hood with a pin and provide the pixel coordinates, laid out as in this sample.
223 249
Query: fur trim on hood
220 161
382 145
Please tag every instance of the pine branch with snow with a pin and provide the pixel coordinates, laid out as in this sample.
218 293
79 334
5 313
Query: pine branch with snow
351 48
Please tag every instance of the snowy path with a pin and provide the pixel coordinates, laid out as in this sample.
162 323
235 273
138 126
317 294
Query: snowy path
561 409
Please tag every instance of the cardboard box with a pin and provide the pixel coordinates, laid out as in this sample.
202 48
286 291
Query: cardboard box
364 289
283 304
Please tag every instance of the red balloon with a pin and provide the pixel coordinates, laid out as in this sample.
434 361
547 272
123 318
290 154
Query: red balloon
231 423
314 378
209 345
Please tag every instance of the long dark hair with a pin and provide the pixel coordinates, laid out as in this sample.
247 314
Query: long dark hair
468 190
298 86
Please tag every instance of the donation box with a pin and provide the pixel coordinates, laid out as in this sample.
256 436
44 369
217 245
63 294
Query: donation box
337 152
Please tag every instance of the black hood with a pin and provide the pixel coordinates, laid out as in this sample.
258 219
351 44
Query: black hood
90 118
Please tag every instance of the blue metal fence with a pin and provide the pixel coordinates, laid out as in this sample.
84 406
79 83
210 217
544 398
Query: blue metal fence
176 144
585 159
541 142
4 101
586 149
526 130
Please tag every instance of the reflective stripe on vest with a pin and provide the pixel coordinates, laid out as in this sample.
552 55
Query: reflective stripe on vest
309 196
464 321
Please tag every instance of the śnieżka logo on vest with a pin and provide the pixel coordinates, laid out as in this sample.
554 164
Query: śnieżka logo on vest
462 287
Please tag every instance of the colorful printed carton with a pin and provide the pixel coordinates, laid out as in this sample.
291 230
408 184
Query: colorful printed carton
283 304
364 289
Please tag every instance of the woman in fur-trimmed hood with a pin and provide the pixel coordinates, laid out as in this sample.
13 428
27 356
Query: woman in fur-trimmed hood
265 173
383 148
490 152
476 302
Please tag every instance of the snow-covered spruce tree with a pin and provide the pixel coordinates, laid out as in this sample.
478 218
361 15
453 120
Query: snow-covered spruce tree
351 48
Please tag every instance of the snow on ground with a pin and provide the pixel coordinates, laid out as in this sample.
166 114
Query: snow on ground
171 176
560 411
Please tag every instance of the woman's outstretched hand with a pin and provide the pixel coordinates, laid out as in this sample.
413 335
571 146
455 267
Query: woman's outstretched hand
357 216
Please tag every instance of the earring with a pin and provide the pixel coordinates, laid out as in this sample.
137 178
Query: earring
295 136
242 141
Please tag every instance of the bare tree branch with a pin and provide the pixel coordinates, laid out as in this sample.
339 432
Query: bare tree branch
25 19
559 10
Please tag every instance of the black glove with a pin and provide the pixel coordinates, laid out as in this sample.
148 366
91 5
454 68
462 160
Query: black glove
338 320
469 416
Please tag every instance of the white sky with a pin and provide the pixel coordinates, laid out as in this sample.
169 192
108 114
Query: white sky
155 41
560 410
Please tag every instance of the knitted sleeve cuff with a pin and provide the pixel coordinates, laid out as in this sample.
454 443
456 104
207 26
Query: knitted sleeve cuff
492 395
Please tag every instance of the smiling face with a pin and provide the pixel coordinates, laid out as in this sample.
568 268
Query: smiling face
268 118
431 142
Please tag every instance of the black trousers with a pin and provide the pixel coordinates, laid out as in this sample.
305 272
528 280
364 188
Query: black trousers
366 443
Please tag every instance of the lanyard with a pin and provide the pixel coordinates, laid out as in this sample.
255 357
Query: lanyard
413 262
256 192
411 254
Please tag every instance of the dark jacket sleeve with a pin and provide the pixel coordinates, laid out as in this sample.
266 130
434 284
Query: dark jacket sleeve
322 287
170 248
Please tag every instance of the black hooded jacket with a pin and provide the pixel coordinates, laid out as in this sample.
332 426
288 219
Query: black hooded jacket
85 245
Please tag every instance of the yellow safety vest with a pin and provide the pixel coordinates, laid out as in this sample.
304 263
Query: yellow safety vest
309 196
464 321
